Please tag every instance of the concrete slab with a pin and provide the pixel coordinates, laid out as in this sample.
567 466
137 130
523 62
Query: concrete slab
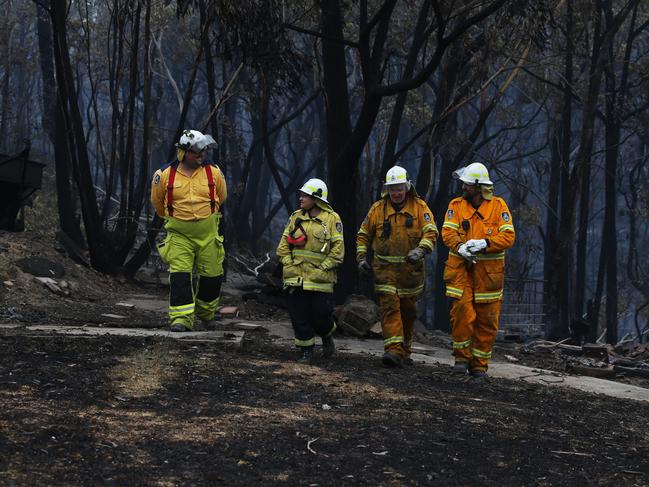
149 303
439 356
247 326
230 337
283 333
9 326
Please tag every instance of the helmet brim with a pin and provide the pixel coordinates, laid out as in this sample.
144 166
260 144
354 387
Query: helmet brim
480 183
204 143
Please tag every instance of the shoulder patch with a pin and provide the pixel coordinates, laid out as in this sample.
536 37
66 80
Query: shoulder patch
427 217
339 227
449 214
505 216
156 178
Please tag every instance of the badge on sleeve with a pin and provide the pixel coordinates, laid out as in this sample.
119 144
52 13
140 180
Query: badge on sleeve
339 227
449 214
426 217
505 217
156 179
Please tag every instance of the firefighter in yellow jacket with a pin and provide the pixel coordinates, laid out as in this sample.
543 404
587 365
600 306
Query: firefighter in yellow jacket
477 229
310 249
188 194
401 230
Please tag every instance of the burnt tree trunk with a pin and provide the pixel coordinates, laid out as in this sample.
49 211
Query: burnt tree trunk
55 128
338 131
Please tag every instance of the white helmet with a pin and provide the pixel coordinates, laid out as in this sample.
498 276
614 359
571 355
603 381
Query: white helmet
316 188
397 175
474 173
195 140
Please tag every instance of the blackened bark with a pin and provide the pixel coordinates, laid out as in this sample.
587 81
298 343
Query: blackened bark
99 245
616 95
55 128
268 150
400 103
342 169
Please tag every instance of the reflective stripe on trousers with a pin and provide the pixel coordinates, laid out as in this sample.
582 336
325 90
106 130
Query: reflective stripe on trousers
474 327
398 315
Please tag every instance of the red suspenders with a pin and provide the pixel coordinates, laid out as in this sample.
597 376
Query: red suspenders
210 182
170 188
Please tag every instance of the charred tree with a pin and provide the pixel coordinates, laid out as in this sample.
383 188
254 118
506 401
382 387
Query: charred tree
54 126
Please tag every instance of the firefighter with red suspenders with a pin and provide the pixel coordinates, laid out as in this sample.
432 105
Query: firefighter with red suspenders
188 194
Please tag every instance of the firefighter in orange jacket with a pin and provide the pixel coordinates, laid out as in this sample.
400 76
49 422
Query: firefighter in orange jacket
401 230
188 194
477 229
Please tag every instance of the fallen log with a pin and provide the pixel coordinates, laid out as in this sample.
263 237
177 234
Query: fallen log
600 373
634 371
624 361
547 344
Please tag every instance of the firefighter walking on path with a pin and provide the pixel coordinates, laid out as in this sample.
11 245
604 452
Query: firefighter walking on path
477 229
310 249
400 230
188 194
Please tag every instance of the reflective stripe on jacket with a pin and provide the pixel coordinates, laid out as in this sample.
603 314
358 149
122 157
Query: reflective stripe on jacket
493 222
191 194
412 226
313 266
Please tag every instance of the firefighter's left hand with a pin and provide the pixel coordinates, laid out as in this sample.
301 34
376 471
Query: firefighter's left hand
415 255
466 253
475 246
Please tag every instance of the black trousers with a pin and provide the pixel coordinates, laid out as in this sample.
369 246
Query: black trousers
311 313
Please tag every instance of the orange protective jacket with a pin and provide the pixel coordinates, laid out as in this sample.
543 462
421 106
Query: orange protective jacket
412 226
492 221
191 194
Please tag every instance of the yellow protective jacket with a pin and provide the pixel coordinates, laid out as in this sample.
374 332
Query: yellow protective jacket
492 221
191 194
313 266
412 226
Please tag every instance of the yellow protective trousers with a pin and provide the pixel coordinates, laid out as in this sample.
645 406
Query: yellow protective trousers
398 315
193 246
474 327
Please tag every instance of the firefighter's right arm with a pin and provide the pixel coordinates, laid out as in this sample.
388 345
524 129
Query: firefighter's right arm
450 229
283 251
158 190
364 238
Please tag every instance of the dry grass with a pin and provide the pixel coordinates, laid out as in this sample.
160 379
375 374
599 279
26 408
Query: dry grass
144 372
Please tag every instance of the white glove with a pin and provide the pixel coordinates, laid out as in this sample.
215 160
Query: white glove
466 253
475 246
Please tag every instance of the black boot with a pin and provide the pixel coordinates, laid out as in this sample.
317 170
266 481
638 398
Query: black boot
392 360
306 356
328 346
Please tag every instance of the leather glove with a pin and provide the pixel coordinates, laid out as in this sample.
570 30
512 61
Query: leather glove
364 268
466 253
415 255
475 246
